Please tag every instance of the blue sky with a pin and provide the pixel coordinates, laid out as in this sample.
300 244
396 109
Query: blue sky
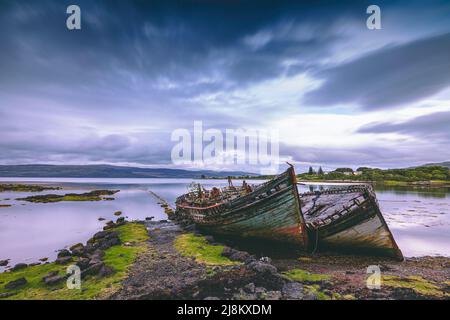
339 94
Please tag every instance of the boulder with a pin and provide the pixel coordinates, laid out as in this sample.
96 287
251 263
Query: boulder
91 247
120 221
97 254
149 218
64 253
108 243
4 263
105 271
262 267
83 263
250 288
109 225
50 281
113 234
16 283
101 219
100 235
260 292
236 255
19 266
273 295
266 275
78 249
52 278
63 260
117 213
76 246
292 291
93 269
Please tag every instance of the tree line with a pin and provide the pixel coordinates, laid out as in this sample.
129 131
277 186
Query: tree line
425 173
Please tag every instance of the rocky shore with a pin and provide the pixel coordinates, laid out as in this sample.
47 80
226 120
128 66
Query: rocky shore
102 264
162 260
164 272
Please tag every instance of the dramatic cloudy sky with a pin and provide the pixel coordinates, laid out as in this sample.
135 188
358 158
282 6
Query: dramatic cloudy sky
113 92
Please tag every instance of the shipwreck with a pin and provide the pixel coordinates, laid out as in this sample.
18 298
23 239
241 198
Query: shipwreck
343 219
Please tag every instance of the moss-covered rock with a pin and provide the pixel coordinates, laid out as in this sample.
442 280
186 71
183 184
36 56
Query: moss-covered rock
116 259
416 283
305 276
198 247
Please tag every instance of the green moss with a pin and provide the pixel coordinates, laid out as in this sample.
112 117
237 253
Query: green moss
95 195
120 258
325 294
416 283
25 188
132 232
196 246
395 183
305 259
305 276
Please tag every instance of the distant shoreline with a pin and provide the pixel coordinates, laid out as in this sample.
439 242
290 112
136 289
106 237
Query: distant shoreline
393 183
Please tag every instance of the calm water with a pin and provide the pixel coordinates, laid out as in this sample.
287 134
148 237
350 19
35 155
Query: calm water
419 219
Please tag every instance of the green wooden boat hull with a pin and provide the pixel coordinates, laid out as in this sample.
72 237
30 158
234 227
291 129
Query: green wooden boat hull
272 212
343 219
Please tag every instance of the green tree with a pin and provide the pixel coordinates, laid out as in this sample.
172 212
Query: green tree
344 170
320 172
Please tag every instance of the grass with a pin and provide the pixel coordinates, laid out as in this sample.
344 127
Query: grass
120 258
305 276
191 245
416 283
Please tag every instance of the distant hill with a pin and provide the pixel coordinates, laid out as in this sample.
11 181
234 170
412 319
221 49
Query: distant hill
106 171
442 164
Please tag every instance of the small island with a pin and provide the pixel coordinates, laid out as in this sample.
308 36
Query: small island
96 195
25 188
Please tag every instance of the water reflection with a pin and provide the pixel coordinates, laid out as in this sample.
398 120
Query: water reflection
418 217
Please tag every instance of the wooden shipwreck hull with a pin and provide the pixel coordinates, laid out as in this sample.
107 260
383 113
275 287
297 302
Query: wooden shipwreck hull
338 219
348 219
271 211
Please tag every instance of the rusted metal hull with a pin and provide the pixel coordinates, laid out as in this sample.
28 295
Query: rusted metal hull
271 212
349 220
